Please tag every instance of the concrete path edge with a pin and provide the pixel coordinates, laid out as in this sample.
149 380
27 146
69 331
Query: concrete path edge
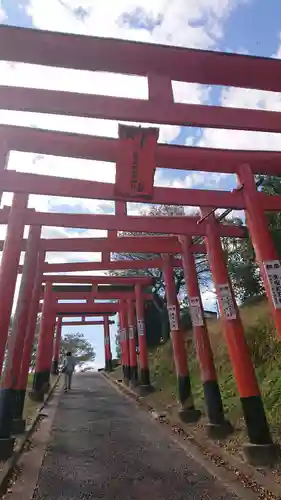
228 478
11 463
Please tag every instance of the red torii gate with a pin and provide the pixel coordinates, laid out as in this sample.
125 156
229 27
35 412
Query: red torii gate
160 65
127 298
51 309
57 341
184 393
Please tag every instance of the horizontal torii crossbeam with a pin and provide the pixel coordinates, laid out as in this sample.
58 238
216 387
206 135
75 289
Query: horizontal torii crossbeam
12 181
107 54
171 225
85 323
65 144
126 244
99 280
74 314
91 296
106 265
138 110
78 309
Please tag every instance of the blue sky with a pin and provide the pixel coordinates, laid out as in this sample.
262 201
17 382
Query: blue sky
245 26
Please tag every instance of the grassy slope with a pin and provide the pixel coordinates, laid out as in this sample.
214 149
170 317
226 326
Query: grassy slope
266 352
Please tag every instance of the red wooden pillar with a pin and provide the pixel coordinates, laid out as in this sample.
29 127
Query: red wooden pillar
45 345
266 254
252 405
56 353
132 343
107 348
125 340
9 266
29 337
120 335
11 373
4 158
218 426
143 356
187 412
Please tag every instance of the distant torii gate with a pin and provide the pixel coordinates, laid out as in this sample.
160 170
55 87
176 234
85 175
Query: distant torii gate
57 341
125 293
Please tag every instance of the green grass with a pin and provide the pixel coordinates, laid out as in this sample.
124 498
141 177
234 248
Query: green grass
265 349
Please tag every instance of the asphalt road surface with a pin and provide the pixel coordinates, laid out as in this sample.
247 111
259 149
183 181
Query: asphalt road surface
103 447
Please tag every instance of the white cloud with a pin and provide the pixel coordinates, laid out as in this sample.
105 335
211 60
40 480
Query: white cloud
200 24
240 139
171 22
2 13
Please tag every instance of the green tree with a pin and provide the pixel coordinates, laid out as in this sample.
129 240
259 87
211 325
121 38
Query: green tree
272 185
242 266
156 314
79 346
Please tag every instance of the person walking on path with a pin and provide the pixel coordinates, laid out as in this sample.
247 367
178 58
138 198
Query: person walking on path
68 370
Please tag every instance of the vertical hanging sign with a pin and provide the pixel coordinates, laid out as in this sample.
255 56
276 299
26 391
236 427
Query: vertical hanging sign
124 334
196 311
135 163
141 328
131 333
173 317
226 302
273 272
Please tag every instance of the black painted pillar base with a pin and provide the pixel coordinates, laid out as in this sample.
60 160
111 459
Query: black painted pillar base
55 367
144 376
144 388
126 374
261 451
219 431
7 401
18 423
134 376
41 385
218 427
19 401
108 365
187 413
6 448
255 419
18 426
261 455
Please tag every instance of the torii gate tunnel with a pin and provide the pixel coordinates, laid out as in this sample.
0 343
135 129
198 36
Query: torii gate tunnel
136 153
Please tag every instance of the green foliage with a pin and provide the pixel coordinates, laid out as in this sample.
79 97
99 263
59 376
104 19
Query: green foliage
265 349
80 348
242 267
272 185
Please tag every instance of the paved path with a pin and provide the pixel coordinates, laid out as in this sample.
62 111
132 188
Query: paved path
103 447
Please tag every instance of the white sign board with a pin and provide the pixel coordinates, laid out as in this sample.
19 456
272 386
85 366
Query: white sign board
124 334
173 319
196 311
273 272
226 302
141 328
131 333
